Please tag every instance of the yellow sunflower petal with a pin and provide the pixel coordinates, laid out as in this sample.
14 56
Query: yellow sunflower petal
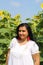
42 5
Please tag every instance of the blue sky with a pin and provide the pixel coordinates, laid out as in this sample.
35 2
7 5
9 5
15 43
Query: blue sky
26 8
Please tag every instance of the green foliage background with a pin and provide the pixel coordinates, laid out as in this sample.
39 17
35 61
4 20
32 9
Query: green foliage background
8 27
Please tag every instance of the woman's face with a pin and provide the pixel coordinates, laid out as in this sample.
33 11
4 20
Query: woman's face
23 33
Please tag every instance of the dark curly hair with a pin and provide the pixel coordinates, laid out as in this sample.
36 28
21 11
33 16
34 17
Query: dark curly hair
28 29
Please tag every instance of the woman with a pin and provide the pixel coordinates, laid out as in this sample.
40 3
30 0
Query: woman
23 50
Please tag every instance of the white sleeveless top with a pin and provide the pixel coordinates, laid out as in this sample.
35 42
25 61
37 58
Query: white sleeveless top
22 54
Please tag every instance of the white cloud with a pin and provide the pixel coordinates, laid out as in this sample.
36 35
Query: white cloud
16 4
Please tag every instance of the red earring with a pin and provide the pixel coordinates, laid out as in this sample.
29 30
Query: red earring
28 38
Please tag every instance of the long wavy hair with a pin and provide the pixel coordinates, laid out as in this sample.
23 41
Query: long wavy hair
28 29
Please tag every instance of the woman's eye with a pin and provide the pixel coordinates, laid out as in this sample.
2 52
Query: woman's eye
21 30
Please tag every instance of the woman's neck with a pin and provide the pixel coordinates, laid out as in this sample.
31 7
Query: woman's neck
22 41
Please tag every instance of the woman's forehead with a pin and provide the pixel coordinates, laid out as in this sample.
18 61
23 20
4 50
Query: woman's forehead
22 27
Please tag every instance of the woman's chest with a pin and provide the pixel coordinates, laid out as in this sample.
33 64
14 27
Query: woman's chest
20 51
